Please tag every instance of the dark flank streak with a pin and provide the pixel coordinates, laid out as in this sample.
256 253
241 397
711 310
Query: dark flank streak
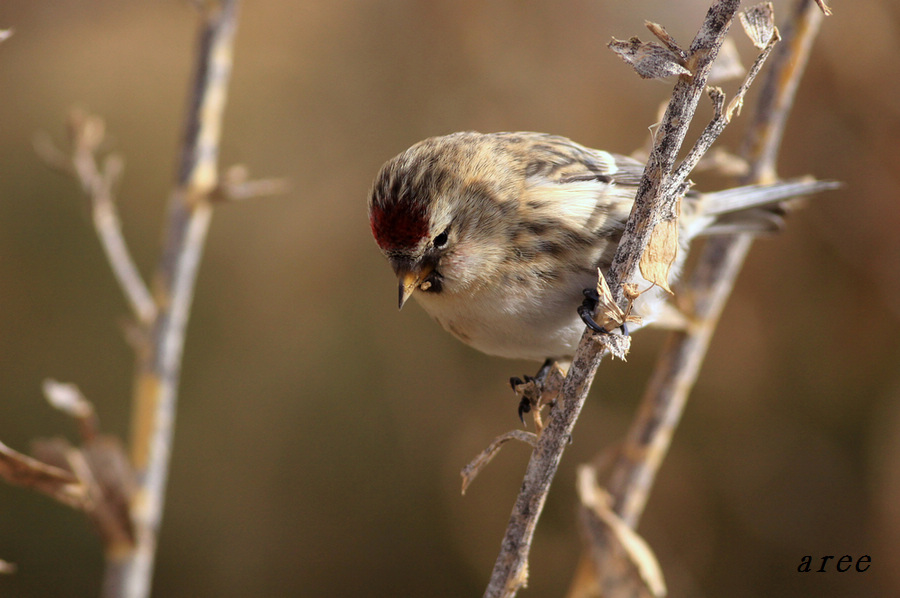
602 178
551 247
547 275
537 227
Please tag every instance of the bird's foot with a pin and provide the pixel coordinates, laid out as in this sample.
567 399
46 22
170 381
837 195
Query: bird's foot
537 392
586 312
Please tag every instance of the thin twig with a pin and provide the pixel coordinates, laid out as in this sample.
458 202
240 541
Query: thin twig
722 118
711 283
474 467
88 134
510 569
650 436
21 470
129 573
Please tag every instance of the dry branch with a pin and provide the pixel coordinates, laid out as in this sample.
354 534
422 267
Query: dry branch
87 134
125 499
709 287
129 573
711 282
510 569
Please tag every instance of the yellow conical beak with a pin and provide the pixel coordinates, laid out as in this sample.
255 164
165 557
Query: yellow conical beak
410 280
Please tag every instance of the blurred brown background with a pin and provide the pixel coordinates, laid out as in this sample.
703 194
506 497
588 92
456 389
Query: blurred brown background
321 432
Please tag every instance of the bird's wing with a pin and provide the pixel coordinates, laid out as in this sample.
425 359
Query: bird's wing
585 188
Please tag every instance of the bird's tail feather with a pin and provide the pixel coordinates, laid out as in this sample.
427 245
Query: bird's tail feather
739 199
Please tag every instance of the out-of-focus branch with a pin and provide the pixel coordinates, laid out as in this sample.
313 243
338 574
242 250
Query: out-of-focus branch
58 483
510 569
709 287
711 282
129 568
125 500
762 141
87 134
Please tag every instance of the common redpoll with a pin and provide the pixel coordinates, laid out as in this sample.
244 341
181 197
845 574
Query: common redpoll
497 235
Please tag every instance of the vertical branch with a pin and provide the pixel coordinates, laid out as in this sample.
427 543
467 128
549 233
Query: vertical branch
763 139
510 569
98 184
129 568
711 283
657 180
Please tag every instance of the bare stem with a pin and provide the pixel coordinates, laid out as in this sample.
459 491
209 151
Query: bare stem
711 283
129 572
510 569
98 183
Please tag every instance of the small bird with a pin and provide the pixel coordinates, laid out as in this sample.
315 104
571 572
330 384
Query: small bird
498 235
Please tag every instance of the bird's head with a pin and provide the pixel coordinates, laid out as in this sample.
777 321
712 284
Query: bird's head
432 215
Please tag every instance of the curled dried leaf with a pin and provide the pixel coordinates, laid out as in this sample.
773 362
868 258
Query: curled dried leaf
67 398
650 60
759 23
608 314
659 255
668 41
102 468
618 345
727 65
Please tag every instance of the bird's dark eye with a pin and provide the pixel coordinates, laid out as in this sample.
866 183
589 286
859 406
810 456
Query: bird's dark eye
440 241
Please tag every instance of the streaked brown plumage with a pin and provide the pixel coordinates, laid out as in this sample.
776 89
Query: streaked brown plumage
496 235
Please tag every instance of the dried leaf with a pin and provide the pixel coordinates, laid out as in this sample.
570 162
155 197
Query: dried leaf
668 41
618 345
660 253
22 470
103 469
650 60
67 398
540 393
632 291
759 23
624 563
727 65
610 316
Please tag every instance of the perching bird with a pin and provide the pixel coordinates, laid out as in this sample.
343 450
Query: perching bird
497 235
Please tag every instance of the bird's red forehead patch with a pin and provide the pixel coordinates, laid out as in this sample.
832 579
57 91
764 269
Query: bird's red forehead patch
398 226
